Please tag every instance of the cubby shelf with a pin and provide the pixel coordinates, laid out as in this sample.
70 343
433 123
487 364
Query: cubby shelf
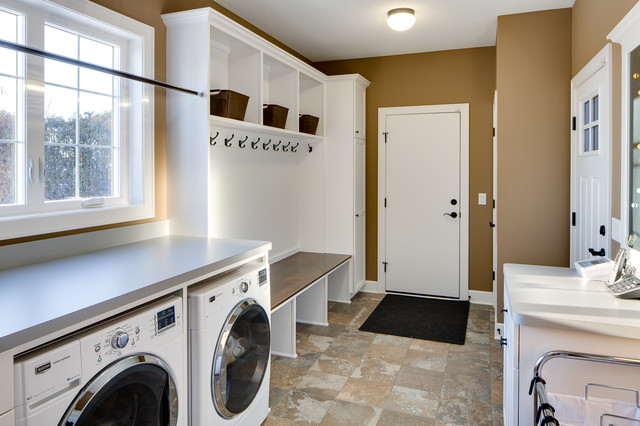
259 129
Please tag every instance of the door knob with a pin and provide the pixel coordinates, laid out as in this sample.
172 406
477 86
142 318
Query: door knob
452 214
454 201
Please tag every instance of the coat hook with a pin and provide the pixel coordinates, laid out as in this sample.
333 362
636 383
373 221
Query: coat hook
254 145
310 147
276 145
265 145
241 143
286 147
227 141
212 140
295 147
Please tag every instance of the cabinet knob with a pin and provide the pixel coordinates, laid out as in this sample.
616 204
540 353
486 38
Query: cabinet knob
357 131
503 341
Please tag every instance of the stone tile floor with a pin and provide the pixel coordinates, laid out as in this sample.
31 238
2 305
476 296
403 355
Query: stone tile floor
343 376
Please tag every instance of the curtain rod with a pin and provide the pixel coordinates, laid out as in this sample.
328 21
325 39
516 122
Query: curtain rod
47 55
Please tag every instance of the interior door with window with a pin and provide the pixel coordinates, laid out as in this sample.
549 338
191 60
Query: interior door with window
591 161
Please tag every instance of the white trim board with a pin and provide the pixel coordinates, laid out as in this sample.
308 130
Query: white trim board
463 109
481 297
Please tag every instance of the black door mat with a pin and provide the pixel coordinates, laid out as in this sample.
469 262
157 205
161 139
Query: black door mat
420 318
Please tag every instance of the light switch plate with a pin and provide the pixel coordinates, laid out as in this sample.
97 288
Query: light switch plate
482 199
615 230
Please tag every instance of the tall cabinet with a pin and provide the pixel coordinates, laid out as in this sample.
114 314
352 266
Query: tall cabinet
345 159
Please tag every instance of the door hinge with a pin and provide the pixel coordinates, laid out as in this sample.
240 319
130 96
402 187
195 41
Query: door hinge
494 204
385 136
574 123
573 218
385 202
494 132
492 225
385 266
493 273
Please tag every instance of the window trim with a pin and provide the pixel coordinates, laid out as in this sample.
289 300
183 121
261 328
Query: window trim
137 164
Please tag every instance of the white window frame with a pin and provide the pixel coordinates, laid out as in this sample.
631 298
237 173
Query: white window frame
136 191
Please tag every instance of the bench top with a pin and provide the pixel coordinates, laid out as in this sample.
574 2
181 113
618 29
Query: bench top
293 274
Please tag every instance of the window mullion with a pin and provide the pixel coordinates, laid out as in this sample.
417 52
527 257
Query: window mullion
34 113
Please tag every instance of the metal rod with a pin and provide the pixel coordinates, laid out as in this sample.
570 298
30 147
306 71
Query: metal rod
47 55
582 356
540 391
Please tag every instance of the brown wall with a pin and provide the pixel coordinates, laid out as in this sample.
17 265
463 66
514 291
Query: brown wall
533 74
149 12
448 77
592 20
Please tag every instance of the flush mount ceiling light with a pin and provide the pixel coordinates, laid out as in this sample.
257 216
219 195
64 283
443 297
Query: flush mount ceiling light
401 19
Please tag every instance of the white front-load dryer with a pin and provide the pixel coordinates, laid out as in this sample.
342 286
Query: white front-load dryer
230 342
126 371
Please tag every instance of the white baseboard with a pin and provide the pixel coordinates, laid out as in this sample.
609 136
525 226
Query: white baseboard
15 255
370 287
499 331
481 297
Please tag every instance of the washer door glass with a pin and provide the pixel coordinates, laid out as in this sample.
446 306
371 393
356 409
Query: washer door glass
241 358
137 390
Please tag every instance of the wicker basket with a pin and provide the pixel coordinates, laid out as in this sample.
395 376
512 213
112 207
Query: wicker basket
308 124
229 104
274 116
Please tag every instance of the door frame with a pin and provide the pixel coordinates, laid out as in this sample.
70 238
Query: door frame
463 110
601 60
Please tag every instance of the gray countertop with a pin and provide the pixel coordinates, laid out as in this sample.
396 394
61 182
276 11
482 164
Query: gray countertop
553 297
39 299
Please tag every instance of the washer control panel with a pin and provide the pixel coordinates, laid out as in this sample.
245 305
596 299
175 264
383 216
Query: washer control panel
137 332
241 287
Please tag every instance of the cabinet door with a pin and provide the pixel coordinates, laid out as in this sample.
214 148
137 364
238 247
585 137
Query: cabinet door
360 111
359 209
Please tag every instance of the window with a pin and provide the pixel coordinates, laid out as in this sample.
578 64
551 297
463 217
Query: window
76 145
590 117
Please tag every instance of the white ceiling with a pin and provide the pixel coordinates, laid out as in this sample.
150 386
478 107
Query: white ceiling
323 30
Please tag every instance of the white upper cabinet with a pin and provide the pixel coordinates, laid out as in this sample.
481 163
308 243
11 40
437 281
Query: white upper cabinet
360 127
236 59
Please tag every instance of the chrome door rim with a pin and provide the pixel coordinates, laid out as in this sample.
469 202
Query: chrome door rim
98 382
216 383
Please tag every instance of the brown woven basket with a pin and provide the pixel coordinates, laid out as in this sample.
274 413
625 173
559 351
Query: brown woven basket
229 104
308 124
274 116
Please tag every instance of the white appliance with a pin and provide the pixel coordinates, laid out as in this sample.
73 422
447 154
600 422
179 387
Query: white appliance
125 371
230 337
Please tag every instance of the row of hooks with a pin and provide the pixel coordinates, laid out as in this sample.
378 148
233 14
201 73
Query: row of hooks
228 142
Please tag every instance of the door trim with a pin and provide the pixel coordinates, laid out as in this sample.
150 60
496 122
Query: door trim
601 60
463 110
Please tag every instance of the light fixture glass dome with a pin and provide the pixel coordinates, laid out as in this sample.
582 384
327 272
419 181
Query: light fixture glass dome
401 19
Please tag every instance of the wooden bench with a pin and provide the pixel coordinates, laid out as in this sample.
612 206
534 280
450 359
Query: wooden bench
301 286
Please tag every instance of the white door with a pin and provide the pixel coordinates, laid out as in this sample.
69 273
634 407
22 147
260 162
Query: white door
591 161
423 203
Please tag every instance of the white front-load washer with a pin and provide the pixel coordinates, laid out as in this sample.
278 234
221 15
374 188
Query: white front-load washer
230 343
126 371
